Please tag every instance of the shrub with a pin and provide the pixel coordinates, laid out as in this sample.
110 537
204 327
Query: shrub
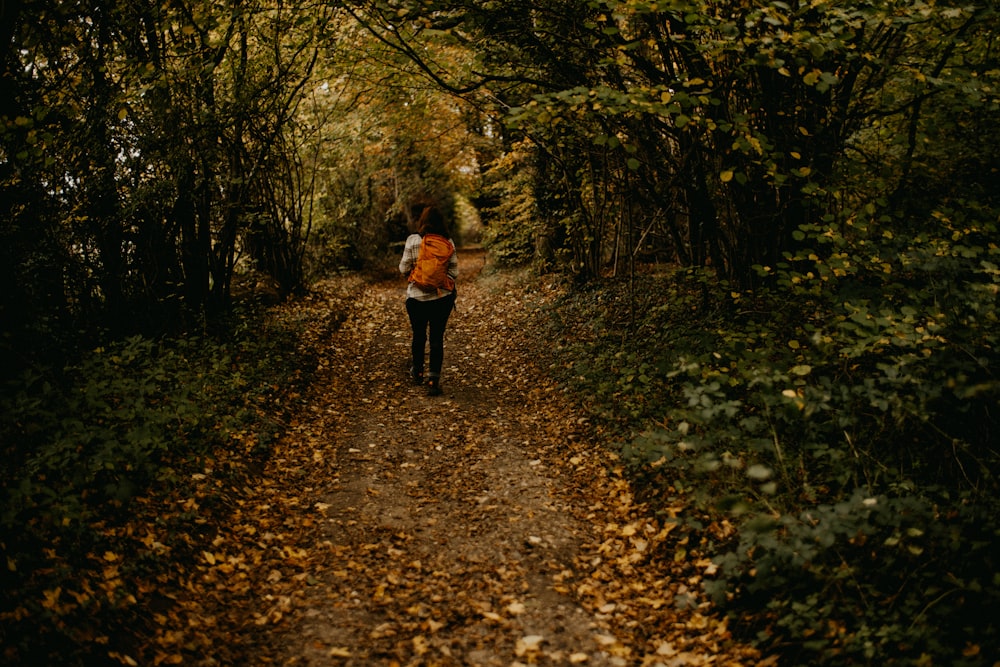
131 419
846 416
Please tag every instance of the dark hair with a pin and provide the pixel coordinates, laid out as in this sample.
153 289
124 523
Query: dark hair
431 222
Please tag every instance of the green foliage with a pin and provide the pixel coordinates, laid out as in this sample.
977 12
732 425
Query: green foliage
105 430
133 172
102 430
331 250
81 446
511 221
845 416
873 579
622 362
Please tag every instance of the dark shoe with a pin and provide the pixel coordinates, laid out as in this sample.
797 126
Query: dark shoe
416 376
434 387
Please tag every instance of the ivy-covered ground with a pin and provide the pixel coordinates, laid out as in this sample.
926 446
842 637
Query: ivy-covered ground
843 420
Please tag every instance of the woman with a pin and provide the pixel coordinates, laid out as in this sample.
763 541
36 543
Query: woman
429 306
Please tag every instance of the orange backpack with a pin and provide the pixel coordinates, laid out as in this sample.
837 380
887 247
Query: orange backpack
431 270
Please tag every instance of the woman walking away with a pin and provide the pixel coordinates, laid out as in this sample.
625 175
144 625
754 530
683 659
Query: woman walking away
430 261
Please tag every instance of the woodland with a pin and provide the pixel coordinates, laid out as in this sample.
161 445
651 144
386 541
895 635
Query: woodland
753 243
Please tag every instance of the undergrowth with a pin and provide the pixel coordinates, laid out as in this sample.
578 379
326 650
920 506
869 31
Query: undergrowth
845 417
135 419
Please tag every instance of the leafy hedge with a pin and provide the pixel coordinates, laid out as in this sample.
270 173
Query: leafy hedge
846 416
134 419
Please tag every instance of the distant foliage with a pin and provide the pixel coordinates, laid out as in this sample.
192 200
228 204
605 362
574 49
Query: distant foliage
511 216
385 144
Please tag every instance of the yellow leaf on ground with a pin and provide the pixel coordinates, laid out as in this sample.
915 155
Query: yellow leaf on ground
51 598
528 644
515 608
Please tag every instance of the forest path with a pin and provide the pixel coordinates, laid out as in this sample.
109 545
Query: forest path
480 527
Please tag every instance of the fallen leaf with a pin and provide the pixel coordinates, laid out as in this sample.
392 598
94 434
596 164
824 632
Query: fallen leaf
528 644
515 608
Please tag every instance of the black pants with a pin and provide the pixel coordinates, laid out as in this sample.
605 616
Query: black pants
432 315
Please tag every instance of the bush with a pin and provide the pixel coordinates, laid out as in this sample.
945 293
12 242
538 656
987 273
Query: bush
872 580
82 445
846 416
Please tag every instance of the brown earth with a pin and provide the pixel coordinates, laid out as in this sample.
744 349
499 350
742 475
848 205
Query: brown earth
487 526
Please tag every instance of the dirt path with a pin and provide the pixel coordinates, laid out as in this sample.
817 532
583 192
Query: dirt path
479 527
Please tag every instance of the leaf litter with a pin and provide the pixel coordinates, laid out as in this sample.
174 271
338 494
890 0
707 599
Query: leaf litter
484 527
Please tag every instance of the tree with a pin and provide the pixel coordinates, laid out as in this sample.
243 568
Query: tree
717 130
385 142
142 144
